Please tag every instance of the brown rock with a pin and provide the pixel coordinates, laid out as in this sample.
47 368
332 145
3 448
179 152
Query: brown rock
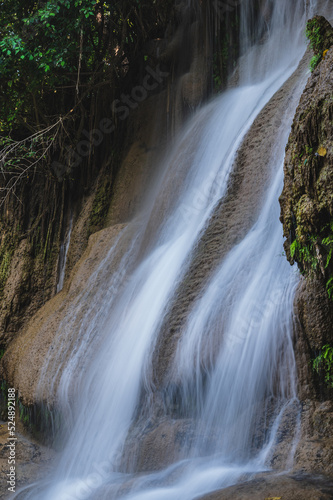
269 487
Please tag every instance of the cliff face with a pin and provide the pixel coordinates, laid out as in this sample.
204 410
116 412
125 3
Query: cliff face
307 217
307 197
306 200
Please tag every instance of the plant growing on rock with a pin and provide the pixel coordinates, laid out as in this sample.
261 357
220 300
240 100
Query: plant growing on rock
320 33
324 364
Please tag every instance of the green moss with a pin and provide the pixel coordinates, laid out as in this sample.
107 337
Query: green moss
323 364
320 34
7 250
315 61
314 34
305 254
313 253
100 207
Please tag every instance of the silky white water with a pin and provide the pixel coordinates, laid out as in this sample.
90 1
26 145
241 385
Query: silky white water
234 367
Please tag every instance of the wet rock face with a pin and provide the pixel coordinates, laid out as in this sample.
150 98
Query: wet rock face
33 461
307 197
307 218
296 487
320 33
307 208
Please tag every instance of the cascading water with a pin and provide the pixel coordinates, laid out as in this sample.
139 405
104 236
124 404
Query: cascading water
233 370
63 255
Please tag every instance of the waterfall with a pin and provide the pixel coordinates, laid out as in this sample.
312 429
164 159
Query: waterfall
232 373
63 255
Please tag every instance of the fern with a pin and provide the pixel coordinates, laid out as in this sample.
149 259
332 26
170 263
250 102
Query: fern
324 363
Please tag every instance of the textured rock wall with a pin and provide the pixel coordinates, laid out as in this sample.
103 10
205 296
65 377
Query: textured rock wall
307 217
307 201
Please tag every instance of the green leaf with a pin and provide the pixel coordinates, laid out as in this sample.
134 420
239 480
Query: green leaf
293 248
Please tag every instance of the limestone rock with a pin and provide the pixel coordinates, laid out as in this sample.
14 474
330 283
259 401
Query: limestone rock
307 212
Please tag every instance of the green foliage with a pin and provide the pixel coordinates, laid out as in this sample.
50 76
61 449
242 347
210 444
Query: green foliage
38 50
293 248
313 33
324 364
328 242
314 62
50 52
329 287
304 253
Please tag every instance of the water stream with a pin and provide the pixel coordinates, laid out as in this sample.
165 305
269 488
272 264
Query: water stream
63 255
233 373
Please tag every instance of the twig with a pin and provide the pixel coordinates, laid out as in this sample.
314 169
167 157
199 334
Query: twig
80 62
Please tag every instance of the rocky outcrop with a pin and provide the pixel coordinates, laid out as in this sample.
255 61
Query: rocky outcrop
307 201
297 487
307 217
320 34
32 461
24 360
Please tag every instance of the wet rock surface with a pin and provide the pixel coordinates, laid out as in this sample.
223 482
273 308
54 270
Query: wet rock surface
24 360
32 461
306 200
307 215
284 487
231 219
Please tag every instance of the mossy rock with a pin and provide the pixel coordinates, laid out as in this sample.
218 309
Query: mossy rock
320 33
